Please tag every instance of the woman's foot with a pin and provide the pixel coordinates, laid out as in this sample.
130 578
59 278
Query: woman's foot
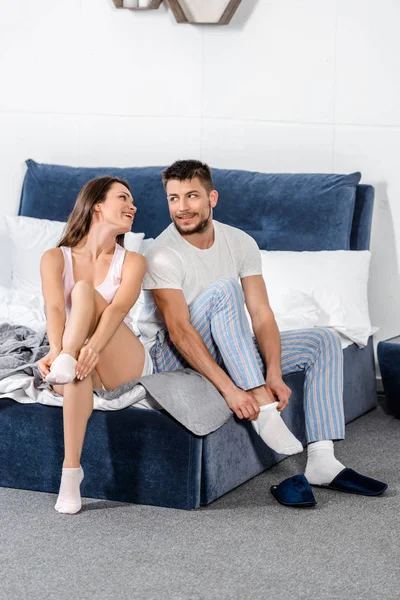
62 370
69 497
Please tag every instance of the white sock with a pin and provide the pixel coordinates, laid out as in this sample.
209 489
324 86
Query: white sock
322 465
273 431
62 370
69 497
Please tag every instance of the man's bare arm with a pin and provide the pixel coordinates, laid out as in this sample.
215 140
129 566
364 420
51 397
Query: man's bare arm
172 305
267 335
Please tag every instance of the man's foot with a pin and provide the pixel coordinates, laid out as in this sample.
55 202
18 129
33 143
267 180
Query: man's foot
324 470
274 432
322 465
69 497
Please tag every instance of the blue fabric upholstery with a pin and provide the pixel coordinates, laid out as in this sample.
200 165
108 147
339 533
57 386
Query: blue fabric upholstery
389 364
359 381
362 219
144 456
281 211
132 455
289 211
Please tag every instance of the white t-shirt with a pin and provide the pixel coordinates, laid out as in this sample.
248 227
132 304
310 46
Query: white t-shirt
174 263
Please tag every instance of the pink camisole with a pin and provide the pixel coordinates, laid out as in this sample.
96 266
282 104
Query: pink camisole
108 288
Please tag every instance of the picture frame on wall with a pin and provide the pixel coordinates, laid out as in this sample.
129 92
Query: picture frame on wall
217 12
210 12
138 4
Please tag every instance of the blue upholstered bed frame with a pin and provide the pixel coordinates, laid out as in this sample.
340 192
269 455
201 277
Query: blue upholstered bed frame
147 457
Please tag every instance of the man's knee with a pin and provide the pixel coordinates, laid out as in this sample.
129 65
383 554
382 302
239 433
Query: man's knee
228 287
328 338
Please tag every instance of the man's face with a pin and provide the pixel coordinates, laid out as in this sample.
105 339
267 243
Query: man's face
190 205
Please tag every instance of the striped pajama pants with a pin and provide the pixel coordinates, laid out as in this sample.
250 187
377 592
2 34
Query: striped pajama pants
219 317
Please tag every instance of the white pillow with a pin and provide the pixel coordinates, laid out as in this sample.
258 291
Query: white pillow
145 245
132 241
5 254
293 310
296 311
335 281
29 238
21 308
137 308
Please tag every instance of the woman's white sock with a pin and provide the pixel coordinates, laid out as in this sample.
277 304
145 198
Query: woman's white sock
69 497
62 370
322 465
274 432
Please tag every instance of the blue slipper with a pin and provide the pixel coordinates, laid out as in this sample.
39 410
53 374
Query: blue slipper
294 491
351 482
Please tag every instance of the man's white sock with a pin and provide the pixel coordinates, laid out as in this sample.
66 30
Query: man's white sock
274 432
322 465
69 497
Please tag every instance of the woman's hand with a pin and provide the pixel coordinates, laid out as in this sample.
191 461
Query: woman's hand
45 363
87 360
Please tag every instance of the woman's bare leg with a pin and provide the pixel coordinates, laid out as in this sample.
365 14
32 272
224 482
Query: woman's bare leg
121 360
77 408
82 319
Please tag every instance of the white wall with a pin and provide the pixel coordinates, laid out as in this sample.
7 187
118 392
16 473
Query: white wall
289 85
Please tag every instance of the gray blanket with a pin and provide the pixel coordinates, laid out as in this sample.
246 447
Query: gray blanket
186 395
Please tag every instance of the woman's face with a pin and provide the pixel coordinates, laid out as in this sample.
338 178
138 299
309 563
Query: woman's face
117 209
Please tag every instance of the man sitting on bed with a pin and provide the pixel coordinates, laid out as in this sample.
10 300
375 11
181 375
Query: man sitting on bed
198 320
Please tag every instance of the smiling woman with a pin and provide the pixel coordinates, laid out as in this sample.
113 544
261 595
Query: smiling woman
90 283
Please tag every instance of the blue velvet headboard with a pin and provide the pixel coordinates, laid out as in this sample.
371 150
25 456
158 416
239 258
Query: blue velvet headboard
281 211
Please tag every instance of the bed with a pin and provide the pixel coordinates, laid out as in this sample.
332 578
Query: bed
146 456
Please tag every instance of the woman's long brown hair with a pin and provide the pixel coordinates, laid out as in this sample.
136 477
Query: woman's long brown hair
80 220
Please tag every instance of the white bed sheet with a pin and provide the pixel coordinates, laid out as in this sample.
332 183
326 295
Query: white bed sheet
21 308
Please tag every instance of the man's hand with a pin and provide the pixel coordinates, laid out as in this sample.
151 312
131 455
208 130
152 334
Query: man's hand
242 403
278 388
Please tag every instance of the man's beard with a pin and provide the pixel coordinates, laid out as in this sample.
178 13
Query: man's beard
200 227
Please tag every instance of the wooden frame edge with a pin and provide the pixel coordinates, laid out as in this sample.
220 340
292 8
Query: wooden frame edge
178 13
224 20
229 12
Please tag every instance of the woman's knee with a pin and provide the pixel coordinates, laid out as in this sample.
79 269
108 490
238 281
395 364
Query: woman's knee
83 287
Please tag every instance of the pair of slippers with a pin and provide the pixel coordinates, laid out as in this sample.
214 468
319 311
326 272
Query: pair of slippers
296 491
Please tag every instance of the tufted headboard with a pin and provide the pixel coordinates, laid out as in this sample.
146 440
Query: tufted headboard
281 211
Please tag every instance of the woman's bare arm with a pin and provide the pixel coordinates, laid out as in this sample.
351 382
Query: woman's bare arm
51 269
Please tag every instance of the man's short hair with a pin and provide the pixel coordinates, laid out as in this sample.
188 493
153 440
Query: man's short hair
189 169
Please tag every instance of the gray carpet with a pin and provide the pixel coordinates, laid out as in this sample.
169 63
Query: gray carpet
243 546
